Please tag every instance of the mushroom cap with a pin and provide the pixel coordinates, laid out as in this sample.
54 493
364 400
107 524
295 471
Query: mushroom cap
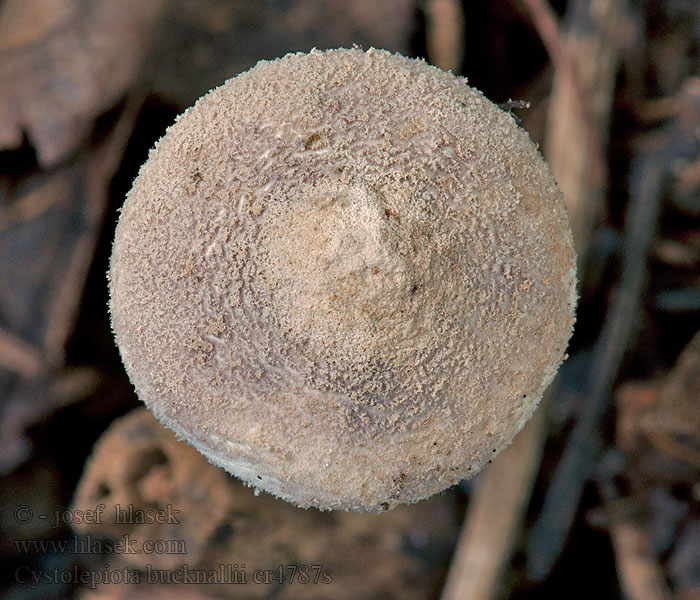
346 277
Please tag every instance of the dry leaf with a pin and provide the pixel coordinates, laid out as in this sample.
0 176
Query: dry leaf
63 63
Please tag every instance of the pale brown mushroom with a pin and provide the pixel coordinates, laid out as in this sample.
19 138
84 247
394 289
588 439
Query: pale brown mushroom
346 277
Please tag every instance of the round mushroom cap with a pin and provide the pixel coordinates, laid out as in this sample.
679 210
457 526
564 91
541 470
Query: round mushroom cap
345 277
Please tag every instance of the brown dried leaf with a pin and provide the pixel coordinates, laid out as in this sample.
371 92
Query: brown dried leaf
677 411
665 411
140 463
62 63
633 399
640 574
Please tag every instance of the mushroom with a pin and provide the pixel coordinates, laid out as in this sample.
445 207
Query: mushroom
345 277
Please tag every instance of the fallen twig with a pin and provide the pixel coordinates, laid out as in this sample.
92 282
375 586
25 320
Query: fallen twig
639 572
445 33
565 64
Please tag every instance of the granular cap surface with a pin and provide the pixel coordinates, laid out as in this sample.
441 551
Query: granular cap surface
346 277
